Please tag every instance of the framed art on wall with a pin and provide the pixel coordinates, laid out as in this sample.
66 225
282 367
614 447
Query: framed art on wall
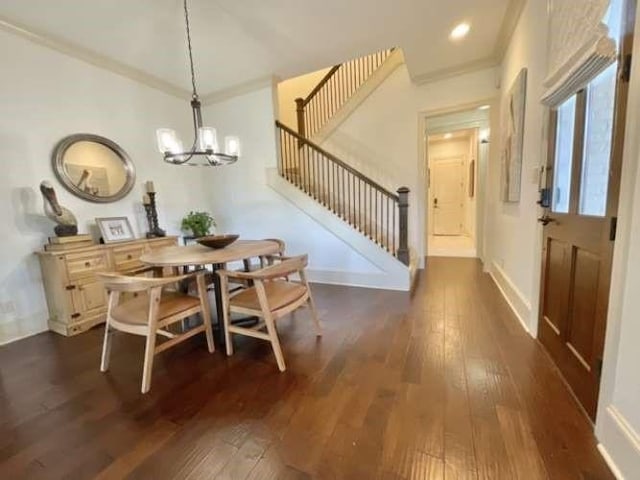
512 138
115 229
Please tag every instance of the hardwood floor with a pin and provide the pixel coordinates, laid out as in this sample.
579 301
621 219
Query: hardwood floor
445 385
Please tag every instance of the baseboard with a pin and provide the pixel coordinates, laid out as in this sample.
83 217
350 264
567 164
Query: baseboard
21 328
355 279
515 299
392 273
619 444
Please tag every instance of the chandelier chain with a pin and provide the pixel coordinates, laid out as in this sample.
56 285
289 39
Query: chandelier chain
193 75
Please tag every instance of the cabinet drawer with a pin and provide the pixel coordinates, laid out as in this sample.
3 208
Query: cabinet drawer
127 257
85 264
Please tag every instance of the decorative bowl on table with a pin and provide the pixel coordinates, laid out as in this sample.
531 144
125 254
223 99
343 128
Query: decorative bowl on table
217 241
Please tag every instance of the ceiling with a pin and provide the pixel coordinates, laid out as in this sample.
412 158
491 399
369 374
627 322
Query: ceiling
241 42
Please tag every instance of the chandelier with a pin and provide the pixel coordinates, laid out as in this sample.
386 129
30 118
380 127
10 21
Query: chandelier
205 142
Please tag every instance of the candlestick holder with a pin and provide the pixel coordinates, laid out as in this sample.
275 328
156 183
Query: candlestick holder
152 217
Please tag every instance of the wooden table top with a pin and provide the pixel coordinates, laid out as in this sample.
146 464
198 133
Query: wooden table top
201 255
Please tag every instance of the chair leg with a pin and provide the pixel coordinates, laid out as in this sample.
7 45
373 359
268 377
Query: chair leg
227 334
149 353
275 342
226 321
314 315
208 331
106 348
205 312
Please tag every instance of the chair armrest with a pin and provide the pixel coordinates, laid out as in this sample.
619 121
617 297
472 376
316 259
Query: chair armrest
239 275
288 266
124 283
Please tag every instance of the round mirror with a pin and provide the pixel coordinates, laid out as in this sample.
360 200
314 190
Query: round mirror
93 167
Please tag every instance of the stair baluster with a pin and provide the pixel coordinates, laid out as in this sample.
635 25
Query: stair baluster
333 91
364 204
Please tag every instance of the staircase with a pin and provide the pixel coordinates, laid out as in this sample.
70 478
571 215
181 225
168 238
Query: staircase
334 90
371 209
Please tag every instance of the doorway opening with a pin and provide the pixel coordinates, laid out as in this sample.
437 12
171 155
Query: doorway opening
456 153
452 158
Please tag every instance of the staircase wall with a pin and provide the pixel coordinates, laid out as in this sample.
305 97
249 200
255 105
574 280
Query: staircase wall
242 201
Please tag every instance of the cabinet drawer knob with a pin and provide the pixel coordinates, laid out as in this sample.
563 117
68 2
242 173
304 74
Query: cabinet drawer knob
129 257
87 264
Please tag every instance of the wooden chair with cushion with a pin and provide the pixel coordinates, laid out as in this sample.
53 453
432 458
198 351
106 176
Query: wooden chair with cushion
150 311
272 296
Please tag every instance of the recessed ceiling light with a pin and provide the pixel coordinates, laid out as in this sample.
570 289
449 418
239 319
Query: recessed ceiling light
447 136
460 31
484 107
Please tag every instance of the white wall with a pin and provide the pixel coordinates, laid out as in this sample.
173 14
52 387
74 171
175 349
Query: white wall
243 203
513 237
46 96
386 132
292 88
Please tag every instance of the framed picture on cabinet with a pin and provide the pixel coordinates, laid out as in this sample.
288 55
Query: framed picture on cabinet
115 229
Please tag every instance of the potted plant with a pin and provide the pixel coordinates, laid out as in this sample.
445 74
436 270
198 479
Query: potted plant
199 223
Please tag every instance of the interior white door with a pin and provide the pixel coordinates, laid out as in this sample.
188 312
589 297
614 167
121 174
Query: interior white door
447 197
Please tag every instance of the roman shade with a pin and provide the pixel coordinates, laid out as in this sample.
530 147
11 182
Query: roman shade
579 47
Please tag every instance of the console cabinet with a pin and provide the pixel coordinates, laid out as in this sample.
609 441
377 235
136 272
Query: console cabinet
76 299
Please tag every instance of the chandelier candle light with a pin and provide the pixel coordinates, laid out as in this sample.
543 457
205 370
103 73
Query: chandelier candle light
205 142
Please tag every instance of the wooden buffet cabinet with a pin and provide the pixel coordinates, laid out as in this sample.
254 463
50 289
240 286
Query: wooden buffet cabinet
76 299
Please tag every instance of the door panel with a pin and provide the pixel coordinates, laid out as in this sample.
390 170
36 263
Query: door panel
583 306
558 274
448 197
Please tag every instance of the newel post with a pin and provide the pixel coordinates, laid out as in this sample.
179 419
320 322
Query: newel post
300 114
403 224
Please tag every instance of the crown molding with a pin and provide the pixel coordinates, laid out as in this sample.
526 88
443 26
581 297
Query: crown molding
106 63
91 57
237 90
509 24
456 70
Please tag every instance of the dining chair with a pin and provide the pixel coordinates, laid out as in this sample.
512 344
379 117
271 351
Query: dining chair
271 296
263 261
150 310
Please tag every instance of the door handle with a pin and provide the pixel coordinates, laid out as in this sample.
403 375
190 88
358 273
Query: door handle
546 220
435 203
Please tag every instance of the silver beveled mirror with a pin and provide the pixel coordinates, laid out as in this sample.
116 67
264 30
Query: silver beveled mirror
93 167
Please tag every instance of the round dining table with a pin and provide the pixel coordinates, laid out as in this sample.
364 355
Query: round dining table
198 255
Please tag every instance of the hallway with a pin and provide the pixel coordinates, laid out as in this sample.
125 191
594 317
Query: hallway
445 385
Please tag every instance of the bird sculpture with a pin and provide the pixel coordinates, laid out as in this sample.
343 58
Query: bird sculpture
67 224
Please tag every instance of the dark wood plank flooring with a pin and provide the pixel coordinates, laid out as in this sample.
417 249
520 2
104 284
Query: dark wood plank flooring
444 385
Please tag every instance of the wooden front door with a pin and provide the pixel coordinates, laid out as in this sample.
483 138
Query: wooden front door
579 232
448 196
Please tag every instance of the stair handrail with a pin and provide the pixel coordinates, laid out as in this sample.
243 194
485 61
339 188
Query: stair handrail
333 158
